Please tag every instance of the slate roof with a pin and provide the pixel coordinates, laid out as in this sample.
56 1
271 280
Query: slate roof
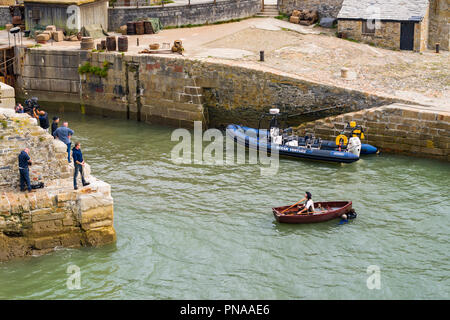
398 10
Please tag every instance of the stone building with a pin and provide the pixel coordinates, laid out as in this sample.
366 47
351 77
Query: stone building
439 28
396 24
65 14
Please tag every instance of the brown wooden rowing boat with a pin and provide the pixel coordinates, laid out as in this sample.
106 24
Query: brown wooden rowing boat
324 211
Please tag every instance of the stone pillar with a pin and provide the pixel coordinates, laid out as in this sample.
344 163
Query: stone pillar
7 96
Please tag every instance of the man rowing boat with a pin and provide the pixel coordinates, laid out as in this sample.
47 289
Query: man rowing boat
308 206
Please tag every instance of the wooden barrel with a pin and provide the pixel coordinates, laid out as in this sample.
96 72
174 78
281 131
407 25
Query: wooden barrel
140 27
111 43
103 44
122 43
148 29
131 28
87 43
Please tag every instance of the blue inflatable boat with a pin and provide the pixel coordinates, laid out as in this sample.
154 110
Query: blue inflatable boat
312 150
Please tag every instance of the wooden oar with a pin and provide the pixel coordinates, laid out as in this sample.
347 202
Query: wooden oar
291 206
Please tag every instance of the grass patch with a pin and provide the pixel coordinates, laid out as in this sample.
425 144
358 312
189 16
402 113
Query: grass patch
87 68
4 124
282 16
161 2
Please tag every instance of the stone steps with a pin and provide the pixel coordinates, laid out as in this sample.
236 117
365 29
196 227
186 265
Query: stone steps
191 94
190 98
269 11
193 90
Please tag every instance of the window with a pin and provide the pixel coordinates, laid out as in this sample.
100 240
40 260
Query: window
368 27
35 14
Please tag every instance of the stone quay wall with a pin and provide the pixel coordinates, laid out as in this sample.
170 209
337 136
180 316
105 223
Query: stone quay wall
396 128
18 131
177 91
178 15
56 215
326 8
5 16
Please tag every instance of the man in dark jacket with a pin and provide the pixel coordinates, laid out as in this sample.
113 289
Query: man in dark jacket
24 162
78 163
43 118
55 125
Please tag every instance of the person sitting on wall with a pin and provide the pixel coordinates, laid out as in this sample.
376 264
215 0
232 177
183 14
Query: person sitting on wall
308 206
64 134
24 162
19 108
55 125
79 165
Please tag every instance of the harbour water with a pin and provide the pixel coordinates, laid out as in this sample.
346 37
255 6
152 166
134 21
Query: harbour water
207 232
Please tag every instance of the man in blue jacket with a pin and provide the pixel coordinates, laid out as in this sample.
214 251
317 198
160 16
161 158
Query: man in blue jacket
64 134
78 163
24 162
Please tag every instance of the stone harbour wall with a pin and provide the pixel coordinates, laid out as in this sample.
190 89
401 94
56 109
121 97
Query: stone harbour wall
178 15
326 8
56 215
176 91
396 128
37 223
49 156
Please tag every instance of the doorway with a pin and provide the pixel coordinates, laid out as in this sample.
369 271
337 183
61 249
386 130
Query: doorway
407 36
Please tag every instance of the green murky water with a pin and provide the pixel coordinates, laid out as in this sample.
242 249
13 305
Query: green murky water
207 232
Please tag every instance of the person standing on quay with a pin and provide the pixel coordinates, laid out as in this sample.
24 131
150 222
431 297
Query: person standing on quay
64 134
55 124
24 162
43 118
78 165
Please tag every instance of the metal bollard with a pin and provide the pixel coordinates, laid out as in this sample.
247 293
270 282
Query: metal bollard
137 42
261 56
437 47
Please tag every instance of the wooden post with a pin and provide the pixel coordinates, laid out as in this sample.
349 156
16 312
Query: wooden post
4 64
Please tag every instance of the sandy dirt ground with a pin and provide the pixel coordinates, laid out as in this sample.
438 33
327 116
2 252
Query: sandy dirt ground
310 52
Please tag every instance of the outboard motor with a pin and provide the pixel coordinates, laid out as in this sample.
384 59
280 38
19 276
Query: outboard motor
354 146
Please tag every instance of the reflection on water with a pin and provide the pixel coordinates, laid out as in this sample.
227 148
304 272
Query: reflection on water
207 232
